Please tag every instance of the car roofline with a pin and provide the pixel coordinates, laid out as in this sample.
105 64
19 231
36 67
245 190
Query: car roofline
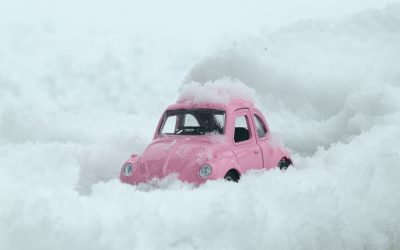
213 106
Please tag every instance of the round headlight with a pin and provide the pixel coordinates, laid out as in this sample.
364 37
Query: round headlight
127 169
205 171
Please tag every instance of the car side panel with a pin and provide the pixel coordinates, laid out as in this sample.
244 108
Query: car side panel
248 153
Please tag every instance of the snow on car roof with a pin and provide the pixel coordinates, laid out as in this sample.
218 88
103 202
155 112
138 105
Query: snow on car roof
220 93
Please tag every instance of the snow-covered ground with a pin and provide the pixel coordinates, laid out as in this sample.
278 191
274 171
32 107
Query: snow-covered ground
79 94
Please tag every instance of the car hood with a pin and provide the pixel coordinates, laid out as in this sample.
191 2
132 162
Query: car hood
177 155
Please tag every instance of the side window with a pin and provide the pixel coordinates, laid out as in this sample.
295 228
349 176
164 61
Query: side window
190 121
260 126
241 129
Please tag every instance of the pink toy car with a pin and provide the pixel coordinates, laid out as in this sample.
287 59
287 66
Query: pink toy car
206 141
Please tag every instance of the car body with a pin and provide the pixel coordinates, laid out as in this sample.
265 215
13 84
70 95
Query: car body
207 141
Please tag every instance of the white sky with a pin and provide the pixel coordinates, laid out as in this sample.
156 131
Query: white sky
177 16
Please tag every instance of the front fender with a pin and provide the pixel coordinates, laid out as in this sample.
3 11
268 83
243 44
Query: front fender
136 176
225 162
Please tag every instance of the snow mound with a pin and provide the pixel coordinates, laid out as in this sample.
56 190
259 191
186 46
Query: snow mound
320 81
329 89
222 91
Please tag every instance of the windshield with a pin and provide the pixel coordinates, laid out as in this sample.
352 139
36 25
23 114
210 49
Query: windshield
193 122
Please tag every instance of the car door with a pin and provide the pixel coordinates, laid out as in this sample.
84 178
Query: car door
263 137
246 149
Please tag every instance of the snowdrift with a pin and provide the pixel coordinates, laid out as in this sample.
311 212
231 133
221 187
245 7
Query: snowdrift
222 91
330 91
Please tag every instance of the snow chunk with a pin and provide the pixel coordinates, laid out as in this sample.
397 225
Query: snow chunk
222 91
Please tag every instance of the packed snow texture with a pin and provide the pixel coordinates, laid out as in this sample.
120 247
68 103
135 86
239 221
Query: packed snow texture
222 91
74 107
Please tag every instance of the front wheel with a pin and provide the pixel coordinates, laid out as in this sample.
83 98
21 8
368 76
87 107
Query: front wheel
284 164
232 175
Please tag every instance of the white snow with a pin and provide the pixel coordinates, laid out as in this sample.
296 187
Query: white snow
76 101
221 91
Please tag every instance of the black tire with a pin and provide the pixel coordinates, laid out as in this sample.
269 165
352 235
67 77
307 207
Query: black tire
284 164
232 175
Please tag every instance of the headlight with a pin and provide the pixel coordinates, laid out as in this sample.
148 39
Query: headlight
205 171
127 169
